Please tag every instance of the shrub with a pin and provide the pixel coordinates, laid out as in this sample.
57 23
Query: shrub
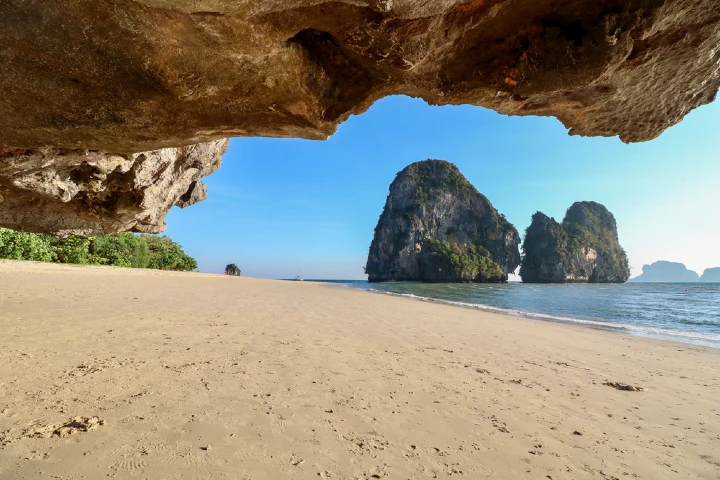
72 250
121 250
25 246
168 255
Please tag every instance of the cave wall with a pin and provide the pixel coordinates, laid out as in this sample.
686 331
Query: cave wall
118 77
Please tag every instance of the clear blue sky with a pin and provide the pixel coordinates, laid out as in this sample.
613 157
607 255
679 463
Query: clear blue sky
278 203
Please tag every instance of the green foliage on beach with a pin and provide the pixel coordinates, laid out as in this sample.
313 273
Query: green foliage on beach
25 246
71 250
167 255
463 262
122 250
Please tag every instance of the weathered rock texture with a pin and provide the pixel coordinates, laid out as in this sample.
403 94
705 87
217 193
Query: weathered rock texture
584 248
126 76
129 76
83 192
431 204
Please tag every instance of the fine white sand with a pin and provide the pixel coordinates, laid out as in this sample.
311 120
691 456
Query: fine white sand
116 373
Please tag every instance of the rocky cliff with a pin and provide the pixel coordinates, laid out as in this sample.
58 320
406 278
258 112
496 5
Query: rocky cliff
118 77
584 248
436 227
88 193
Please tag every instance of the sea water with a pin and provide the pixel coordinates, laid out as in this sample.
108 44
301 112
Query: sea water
684 312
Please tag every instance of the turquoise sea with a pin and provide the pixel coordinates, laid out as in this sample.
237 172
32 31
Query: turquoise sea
683 312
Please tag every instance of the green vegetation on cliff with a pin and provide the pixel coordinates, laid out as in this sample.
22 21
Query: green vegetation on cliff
437 227
584 247
121 250
432 177
590 224
461 262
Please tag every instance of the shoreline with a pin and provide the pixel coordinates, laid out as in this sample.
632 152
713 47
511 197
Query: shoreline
592 324
659 334
598 325
158 375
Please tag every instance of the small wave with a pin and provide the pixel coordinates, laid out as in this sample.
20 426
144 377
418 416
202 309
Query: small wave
706 339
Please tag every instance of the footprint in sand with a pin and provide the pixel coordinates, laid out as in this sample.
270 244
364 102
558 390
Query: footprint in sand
481 470
160 447
187 456
377 472
411 452
280 422
133 466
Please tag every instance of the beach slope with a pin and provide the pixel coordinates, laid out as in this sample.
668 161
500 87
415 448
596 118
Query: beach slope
119 373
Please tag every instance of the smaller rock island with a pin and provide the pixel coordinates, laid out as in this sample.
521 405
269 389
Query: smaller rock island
436 227
232 269
583 249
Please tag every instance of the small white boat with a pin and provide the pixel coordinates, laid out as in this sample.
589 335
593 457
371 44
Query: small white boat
298 277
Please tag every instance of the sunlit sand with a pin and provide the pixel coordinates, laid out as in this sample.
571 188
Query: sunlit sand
141 374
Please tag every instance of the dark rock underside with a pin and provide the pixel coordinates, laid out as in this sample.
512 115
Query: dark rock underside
120 77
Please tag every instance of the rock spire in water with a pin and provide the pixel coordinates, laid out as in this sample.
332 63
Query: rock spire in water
583 249
436 227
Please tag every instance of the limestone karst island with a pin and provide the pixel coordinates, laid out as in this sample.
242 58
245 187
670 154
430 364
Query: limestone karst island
583 248
359 240
436 227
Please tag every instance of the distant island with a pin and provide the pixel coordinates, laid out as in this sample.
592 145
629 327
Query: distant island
674 272
120 250
436 227
584 248
711 275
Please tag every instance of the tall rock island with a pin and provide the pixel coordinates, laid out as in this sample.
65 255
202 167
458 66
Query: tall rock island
584 248
436 227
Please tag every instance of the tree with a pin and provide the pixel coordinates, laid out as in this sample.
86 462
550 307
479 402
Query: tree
121 250
25 246
72 250
168 255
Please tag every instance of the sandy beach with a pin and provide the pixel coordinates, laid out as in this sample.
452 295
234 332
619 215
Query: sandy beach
119 373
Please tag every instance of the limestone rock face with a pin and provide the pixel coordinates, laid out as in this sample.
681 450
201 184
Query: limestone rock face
135 75
431 213
583 249
83 192
545 260
119 77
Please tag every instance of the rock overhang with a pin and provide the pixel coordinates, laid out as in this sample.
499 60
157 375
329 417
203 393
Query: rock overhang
118 77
